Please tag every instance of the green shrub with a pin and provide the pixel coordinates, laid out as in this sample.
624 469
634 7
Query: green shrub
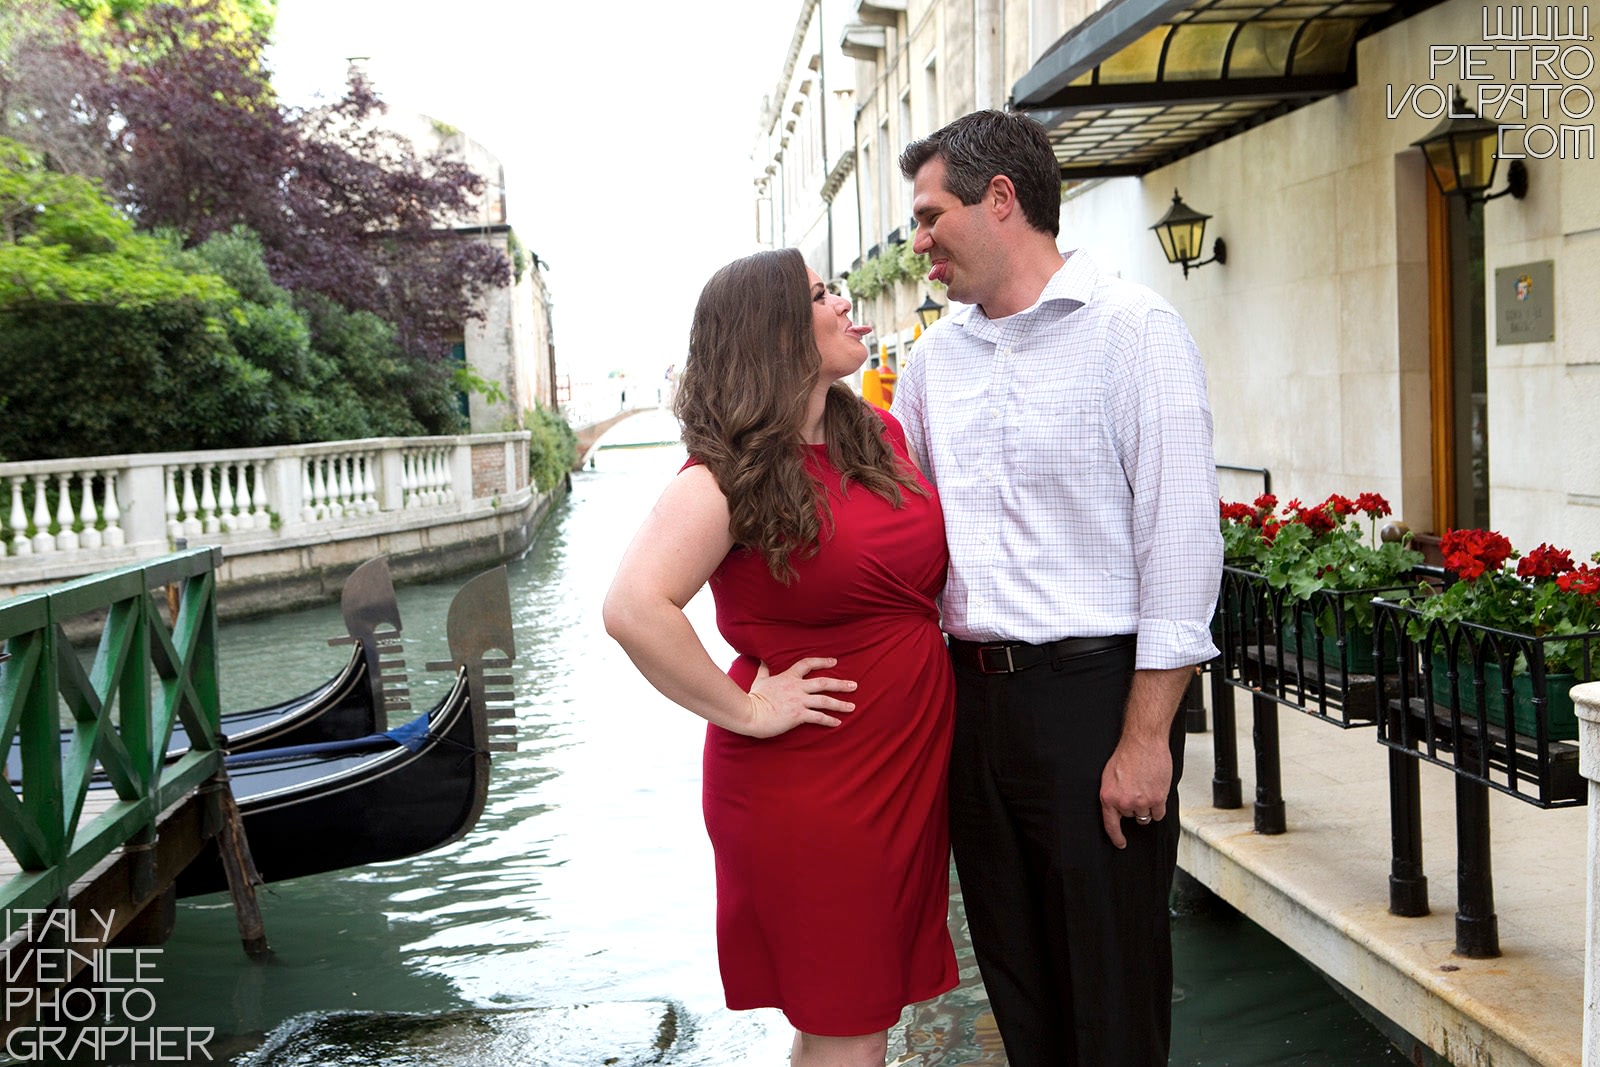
552 450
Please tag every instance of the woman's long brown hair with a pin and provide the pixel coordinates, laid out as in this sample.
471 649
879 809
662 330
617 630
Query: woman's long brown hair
752 365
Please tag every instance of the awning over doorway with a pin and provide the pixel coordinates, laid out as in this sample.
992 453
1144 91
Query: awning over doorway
1141 83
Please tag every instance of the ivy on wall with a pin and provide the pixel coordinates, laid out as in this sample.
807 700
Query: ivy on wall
894 264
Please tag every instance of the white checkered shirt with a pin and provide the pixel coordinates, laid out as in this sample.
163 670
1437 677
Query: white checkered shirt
1071 445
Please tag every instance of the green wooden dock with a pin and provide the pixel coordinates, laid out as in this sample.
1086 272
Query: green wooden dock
87 871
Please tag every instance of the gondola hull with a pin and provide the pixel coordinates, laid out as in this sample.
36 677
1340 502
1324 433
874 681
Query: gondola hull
344 806
344 803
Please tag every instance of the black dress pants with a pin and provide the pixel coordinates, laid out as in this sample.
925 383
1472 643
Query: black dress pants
1072 935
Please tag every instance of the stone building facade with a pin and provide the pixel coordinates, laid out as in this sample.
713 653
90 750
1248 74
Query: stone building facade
1366 332
512 344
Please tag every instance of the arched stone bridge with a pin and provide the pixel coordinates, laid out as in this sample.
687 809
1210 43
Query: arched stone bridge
589 436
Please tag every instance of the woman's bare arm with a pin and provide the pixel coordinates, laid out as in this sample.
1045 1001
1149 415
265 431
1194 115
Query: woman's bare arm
672 556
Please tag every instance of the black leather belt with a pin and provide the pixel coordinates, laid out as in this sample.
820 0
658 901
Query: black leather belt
1007 657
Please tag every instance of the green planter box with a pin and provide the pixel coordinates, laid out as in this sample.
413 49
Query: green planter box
1355 658
1563 719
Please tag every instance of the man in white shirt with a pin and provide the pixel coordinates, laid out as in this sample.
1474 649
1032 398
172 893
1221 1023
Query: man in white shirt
1063 417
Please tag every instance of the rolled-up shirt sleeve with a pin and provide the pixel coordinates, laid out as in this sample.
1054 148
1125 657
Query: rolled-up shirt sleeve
1161 422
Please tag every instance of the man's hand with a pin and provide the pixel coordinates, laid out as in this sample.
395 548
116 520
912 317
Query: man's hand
1138 776
1135 784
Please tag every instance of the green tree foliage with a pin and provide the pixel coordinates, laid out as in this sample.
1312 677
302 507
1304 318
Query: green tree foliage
61 242
100 331
325 319
332 374
553 448
113 341
254 16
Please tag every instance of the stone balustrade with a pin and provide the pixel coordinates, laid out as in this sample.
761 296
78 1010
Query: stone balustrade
61 518
1586 703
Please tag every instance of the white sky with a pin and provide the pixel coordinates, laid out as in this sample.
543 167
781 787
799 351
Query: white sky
625 128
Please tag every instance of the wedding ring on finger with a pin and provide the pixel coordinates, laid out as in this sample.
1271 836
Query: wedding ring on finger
1141 819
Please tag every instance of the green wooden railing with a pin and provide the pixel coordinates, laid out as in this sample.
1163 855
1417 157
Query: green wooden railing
67 722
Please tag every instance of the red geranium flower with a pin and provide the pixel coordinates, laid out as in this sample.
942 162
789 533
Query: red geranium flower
1339 505
1472 552
1374 505
1545 561
1582 579
1318 519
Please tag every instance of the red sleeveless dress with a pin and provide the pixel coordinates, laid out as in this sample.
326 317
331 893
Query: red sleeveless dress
831 844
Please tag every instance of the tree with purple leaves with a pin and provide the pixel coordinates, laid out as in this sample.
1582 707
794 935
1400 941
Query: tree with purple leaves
169 107
343 207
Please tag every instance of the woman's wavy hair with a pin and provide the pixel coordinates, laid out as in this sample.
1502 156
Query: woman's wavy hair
753 362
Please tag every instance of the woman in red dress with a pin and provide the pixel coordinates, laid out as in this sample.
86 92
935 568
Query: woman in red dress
827 739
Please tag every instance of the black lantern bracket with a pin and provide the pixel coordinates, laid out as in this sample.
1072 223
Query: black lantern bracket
1219 256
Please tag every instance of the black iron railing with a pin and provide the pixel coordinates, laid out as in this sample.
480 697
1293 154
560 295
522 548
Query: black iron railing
1316 656
1492 706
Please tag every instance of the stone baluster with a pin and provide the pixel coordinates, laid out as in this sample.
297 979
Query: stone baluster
225 518
319 486
447 483
438 476
20 545
7 522
366 489
192 526
308 509
408 478
243 518
66 537
263 518
88 514
42 541
341 466
208 499
174 519
1586 704
328 482
111 512
425 477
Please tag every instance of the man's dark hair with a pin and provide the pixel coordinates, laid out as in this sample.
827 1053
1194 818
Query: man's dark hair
978 146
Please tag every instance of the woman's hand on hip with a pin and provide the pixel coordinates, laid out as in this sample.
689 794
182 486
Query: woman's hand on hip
780 702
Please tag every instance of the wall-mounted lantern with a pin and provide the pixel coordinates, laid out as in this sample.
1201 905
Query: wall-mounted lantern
1462 152
1182 232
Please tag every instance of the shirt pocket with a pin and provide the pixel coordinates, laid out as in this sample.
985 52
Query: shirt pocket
1061 439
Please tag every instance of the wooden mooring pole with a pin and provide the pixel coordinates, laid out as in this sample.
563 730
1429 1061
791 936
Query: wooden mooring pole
234 851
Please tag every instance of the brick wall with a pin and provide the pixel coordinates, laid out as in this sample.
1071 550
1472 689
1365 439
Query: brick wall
488 470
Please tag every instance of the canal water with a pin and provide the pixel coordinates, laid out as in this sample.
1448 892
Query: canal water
574 924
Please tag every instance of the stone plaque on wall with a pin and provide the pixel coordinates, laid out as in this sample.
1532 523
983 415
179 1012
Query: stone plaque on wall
1525 303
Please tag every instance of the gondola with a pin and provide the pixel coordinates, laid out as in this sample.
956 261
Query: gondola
312 808
353 703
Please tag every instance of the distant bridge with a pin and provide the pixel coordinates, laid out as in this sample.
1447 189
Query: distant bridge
589 436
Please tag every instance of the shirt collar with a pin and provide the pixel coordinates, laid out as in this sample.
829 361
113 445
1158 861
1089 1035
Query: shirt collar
1073 283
